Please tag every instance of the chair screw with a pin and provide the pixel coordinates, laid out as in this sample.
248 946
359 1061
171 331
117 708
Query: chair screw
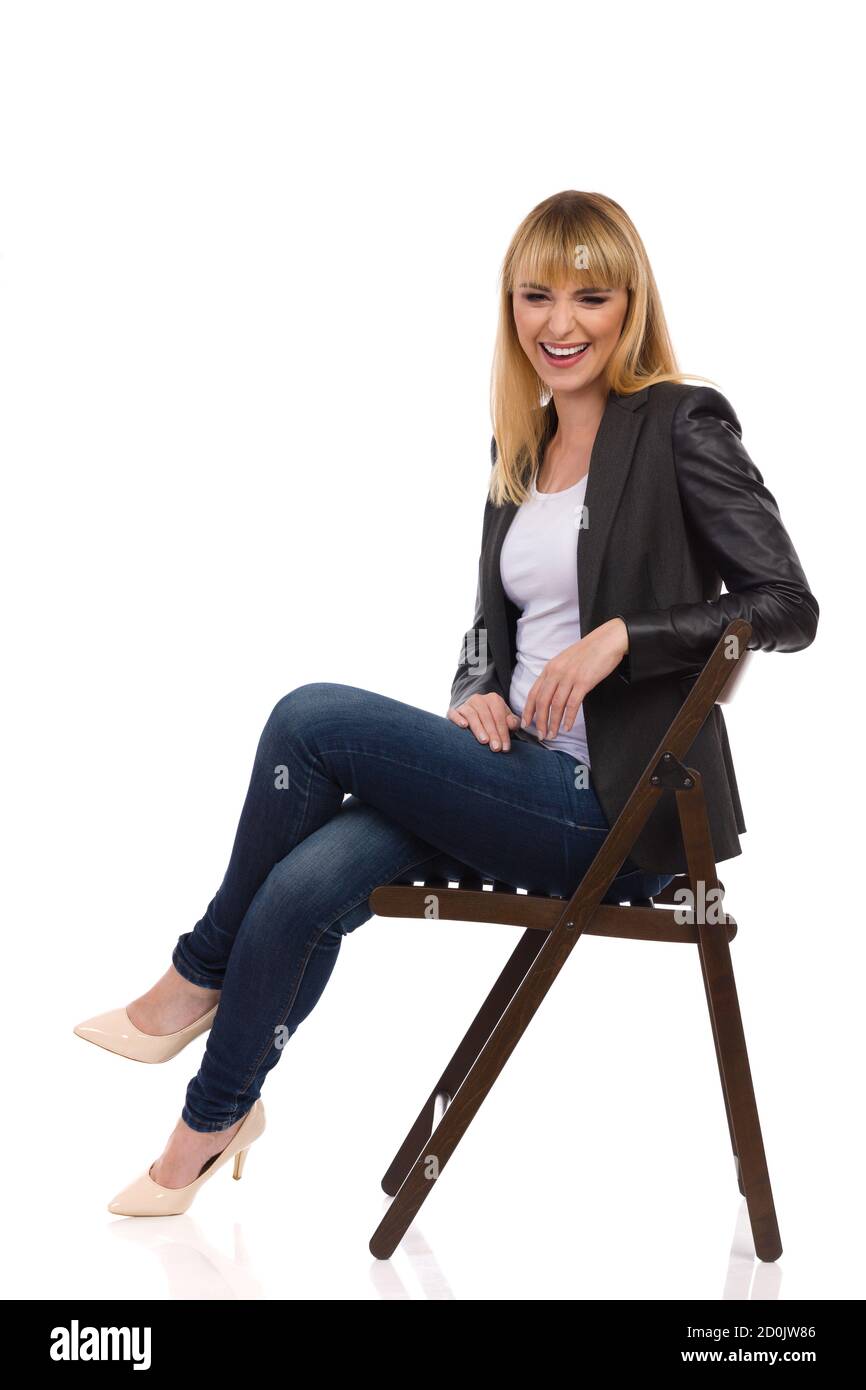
687 781
667 757
655 781
569 924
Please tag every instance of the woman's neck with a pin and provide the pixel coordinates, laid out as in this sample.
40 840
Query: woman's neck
566 457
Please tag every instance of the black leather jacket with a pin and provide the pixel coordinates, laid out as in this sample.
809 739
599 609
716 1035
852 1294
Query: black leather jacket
676 507
738 535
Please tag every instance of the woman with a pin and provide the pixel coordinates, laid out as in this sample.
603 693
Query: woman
573 670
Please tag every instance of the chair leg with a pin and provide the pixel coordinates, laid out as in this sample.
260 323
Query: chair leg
721 1074
740 1092
728 1031
480 1077
456 1071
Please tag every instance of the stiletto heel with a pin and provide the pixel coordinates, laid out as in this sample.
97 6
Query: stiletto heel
144 1197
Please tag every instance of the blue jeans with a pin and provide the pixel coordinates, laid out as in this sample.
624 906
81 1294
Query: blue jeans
423 798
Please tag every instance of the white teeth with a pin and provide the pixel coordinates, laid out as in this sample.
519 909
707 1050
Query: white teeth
565 352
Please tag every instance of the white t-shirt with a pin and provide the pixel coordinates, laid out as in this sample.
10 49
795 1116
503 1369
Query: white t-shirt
538 568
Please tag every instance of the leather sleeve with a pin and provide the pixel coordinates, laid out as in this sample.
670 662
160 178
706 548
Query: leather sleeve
476 671
737 526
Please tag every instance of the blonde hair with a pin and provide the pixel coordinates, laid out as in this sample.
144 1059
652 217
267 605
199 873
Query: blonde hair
543 249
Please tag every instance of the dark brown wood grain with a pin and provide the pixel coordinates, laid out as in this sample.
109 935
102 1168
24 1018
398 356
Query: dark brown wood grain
552 928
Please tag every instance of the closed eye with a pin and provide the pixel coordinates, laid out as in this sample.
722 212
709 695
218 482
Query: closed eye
587 298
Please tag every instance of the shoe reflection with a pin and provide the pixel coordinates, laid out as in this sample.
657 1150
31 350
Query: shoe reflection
193 1267
196 1269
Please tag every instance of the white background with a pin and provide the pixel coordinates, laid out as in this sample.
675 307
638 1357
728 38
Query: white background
249 273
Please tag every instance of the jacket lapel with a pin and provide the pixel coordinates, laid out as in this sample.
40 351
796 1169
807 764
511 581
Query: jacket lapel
609 464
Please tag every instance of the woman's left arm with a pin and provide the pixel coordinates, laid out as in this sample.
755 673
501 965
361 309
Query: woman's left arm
737 523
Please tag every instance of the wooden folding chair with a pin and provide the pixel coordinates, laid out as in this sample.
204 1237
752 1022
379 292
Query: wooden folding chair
553 929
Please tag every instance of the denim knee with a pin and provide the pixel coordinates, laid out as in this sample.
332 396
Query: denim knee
296 707
355 917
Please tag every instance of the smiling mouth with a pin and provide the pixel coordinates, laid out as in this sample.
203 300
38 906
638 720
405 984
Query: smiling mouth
564 352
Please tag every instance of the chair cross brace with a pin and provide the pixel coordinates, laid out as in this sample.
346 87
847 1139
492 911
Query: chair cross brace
552 931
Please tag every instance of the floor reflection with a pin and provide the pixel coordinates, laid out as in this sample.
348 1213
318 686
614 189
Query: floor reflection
749 1279
195 1269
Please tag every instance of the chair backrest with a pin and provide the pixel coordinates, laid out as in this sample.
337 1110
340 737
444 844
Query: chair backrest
736 676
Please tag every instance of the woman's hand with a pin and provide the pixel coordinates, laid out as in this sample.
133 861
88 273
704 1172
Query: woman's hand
558 692
489 718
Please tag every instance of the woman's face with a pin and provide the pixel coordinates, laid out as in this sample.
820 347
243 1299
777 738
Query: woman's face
590 320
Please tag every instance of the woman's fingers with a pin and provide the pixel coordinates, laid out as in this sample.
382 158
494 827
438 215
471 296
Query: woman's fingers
490 720
537 705
557 705
572 706
501 739
542 715
564 704
475 723
556 694
482 724
505 720
528 709
546 703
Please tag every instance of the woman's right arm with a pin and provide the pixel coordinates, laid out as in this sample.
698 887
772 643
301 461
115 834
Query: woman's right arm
478 701
476 670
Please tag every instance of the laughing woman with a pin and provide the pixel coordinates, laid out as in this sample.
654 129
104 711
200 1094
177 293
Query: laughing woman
619 501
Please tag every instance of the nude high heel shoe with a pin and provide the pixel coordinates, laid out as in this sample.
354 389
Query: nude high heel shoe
116 1032
144 1197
